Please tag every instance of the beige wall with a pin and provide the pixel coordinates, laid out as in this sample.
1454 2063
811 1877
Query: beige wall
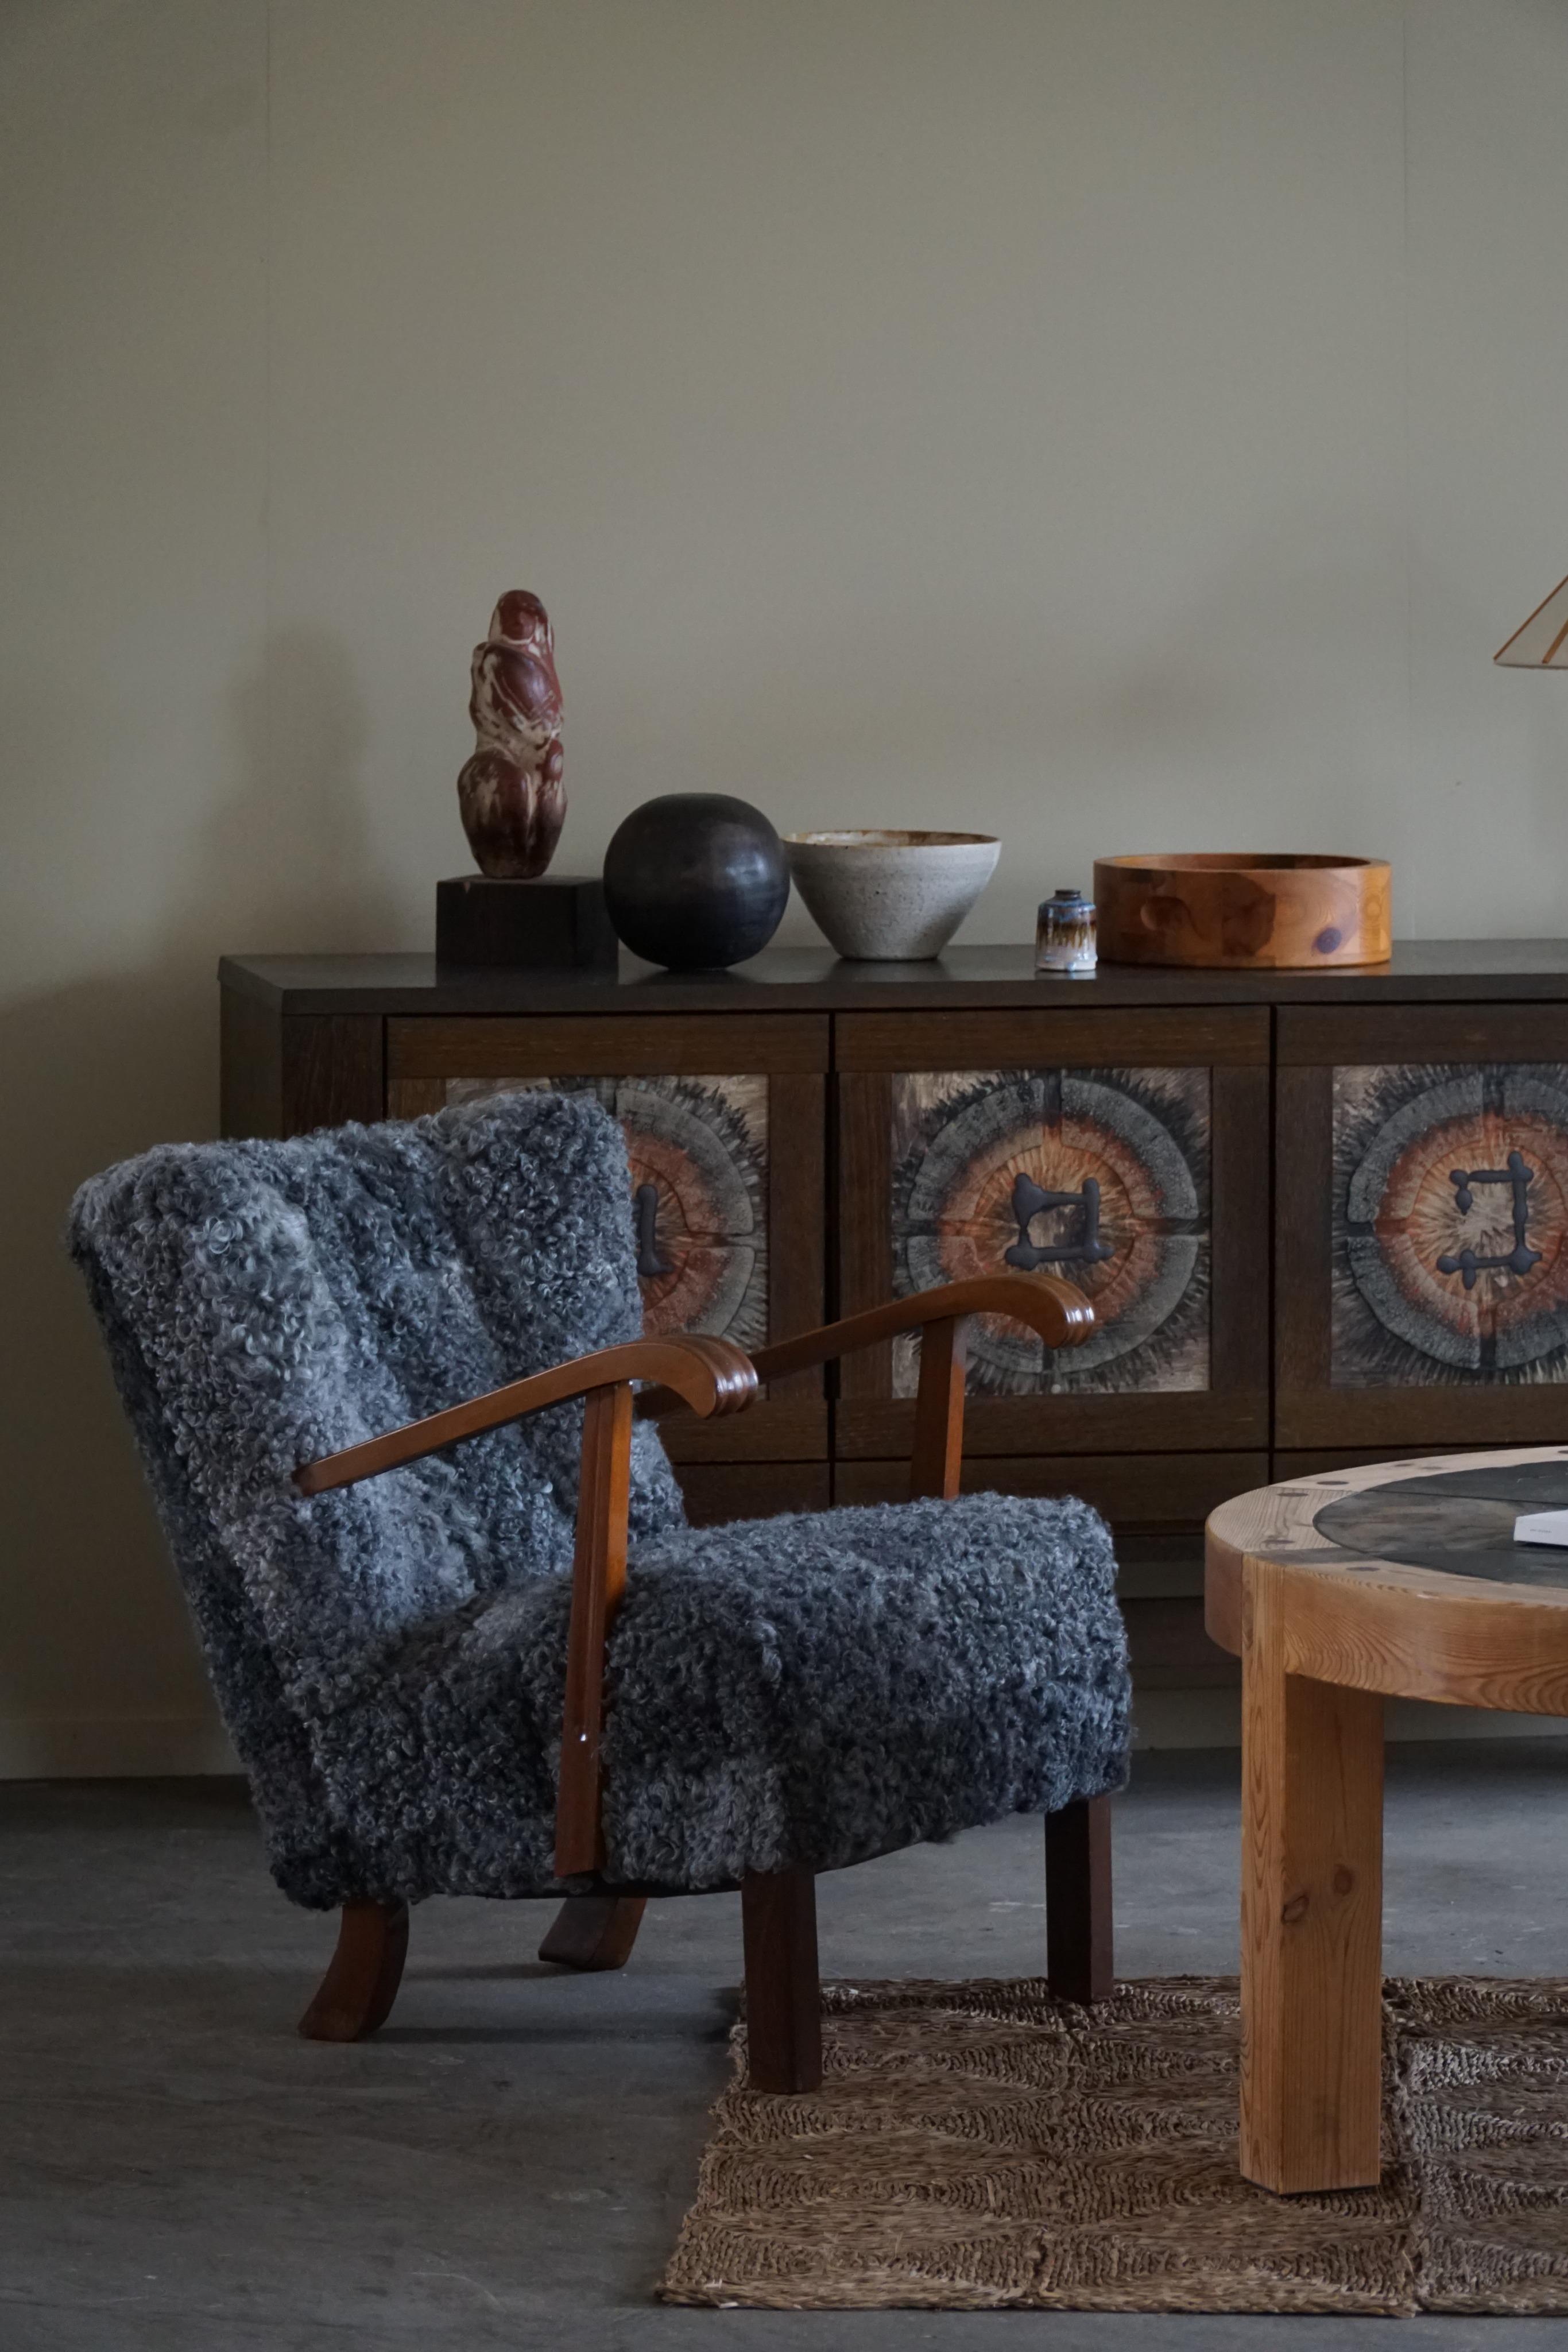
1117 422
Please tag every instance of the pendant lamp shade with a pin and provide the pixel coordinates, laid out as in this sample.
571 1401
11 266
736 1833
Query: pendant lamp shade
1543 642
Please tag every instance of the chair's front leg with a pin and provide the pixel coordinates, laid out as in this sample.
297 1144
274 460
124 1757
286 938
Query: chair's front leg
598 1580
594 1931
783 1995
1078 1958
361 1985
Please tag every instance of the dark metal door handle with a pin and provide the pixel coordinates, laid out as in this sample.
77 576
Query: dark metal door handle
1521 1257
649 1262
1031 1200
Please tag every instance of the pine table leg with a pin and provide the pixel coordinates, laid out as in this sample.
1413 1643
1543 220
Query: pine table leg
1312 1905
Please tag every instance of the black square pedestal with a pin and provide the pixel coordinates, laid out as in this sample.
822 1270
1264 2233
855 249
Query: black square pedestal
558 921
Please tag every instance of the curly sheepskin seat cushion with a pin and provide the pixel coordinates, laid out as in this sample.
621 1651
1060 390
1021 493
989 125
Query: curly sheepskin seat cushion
389 1658
812 1689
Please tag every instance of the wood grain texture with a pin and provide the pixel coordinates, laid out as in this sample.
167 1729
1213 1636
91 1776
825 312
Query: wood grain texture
1217 912
630 1045
1373 1624
356 1995
1271 1521
1000 978
591 1933
867 1427
1288 1463
415 1097
1312 1894
937 1462
1389 1031
1496 1647
783 1992
1241 1239
599 1583
1303 1172
1080 1957
864 1138
1424 1416
776 1429
797 1219
334 1069
1140 1494
1066 1037
1323 1632
718 1492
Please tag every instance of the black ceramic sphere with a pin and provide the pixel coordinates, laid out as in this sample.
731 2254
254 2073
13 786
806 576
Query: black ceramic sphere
696 881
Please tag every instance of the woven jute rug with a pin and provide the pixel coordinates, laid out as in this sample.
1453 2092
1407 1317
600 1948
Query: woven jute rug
979 2145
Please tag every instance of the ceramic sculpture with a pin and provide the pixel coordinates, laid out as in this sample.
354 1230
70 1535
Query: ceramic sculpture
510 792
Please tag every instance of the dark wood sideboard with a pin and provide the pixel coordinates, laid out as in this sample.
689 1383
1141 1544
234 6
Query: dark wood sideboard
1323 1217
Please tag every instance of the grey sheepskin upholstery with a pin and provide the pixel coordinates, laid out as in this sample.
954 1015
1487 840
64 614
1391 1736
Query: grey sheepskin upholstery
389 1658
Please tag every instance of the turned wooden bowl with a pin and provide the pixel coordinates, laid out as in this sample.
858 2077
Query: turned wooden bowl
1226 909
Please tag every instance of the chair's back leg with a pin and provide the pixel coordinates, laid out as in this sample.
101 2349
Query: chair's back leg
359 1988
1079 1960
783 1996
594 1931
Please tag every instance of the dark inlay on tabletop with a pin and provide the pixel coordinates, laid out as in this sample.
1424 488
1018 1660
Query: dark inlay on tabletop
1458 1521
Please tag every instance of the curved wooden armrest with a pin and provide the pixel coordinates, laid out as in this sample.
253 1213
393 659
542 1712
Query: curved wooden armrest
711 1376
1061 1315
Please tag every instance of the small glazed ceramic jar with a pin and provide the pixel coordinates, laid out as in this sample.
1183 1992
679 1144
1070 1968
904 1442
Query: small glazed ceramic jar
1064 936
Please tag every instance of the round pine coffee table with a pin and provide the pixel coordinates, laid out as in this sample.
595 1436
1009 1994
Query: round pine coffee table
1399 1578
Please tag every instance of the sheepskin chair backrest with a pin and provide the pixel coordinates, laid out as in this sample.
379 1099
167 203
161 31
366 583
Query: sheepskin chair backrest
265 1303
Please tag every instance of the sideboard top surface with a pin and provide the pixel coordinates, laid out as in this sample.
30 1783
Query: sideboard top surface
789 980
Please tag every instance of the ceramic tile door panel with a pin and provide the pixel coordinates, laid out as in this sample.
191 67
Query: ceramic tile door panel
1127 1150
1422 1226
725 1123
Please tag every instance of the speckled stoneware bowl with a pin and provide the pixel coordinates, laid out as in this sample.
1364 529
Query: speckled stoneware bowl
888 897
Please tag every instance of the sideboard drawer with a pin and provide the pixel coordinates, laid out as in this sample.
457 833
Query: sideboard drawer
727 1173
1142 1496
1422 1226
1129 1151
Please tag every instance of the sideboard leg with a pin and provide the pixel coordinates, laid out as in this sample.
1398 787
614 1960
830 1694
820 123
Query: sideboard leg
1312 1915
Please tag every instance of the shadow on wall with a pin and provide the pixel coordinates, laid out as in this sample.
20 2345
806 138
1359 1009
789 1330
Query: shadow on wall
98 1672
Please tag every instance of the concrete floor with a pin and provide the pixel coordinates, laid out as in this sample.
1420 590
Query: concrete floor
506 2164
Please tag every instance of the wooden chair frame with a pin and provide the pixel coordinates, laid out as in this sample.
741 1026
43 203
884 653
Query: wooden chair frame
710 1377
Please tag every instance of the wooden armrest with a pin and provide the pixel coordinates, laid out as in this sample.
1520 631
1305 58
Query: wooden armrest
1061 1315
710 1376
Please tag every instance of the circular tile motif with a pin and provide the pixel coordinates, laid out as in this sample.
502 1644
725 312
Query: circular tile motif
1458 1225
1087 1183
696 1195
